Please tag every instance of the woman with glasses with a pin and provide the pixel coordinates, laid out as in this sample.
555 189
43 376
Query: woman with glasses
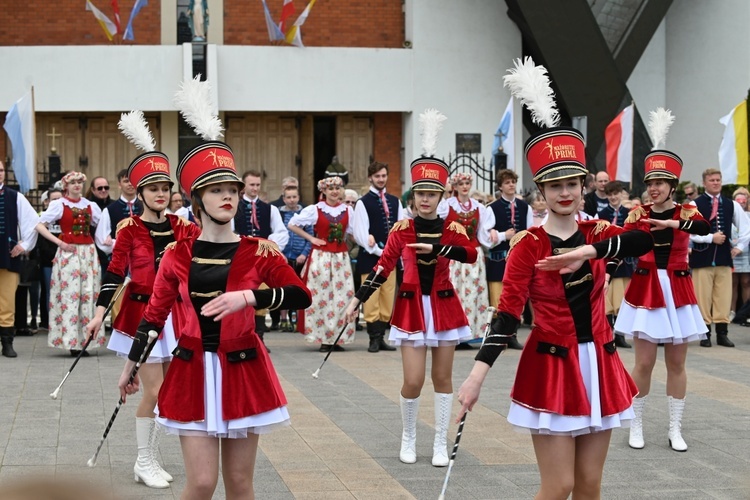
175 203
691 192
75 278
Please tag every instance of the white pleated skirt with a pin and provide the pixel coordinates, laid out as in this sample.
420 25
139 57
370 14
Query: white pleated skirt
162 351
214 425
664 325
554 424
430 337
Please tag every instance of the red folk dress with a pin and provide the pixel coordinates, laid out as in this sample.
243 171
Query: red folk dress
327 273
470 279
75 275
135 253
565 385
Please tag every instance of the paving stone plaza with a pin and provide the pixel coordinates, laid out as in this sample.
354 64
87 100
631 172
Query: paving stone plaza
346 426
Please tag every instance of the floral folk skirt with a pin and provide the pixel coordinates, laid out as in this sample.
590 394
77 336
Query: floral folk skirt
470 282
328 275
74 288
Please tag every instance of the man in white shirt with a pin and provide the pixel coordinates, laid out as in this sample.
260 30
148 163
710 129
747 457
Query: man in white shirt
374 216
259 219
712 256
18 221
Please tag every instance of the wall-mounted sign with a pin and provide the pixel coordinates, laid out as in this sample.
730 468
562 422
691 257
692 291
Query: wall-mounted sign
469 143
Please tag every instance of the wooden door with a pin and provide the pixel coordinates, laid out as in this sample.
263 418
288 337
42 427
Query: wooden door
354 147
97 139
109 151
267 144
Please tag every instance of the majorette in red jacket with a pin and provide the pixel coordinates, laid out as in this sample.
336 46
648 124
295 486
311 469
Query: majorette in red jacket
548 377
134 254
249 383
447 311
644 289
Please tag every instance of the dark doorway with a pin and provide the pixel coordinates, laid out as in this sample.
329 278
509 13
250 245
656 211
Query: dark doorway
324 145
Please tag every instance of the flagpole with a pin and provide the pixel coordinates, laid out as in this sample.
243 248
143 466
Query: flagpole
632 149
747 108
33 134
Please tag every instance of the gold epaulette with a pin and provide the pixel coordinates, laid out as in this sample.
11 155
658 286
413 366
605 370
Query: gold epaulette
635 215
183 221
601 225
518 237
688 211
124 223
458 227
400 225
266 248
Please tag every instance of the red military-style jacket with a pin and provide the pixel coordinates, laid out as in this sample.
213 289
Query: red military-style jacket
249 382
548 377
134 254
408 313
644 289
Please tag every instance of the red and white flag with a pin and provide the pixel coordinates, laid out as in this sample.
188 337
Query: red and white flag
116 10
286 12
619 140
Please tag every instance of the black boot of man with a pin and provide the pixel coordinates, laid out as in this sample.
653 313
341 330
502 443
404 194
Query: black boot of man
619 339
6 338
372 332
707 341
722 335
382 344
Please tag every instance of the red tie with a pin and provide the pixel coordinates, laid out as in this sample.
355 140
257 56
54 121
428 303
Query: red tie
385 205
130 208
254 216
614 219
715 210
513 214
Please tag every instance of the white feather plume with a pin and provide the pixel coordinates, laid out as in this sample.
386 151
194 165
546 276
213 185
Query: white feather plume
430 123
658 125
195 104
530 84
133 125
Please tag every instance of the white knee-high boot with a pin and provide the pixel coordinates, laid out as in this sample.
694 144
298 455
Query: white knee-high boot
409 411
144 468
636 426
676 407
443 403
154 444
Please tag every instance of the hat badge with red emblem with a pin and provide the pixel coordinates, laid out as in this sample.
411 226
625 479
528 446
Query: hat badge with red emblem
660 163
554 152
213 161
151 166
427 172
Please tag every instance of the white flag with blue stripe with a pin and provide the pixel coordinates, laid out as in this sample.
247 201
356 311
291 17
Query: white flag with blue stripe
504 136
20 127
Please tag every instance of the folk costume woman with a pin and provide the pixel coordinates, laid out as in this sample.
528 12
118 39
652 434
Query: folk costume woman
470 280
328 271
427 312
660 305
141 241
75 271
221 390
571 388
